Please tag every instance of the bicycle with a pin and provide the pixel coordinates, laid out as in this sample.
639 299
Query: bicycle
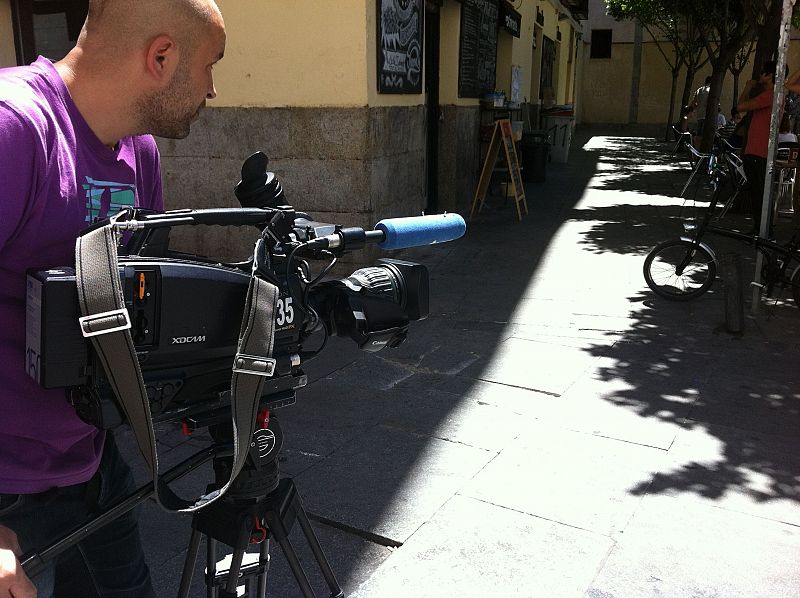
685 268
723 166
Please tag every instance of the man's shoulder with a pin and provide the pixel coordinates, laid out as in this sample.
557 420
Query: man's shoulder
145 147
21 98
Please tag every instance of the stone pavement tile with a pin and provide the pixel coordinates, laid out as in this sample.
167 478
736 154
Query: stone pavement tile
761 359
539 366
754 403
611 408
352 560
655 368
560 312
389 482
522 401
614 408
446 346
329 414
568 336
455 418
743 471
678 548
376 375
570 477
474 549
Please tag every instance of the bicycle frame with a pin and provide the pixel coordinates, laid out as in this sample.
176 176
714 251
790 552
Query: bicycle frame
770 250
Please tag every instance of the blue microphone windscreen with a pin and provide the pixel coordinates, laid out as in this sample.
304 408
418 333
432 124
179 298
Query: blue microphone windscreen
420 230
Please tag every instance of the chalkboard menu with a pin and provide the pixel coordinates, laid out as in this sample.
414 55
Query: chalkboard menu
478 52
400 25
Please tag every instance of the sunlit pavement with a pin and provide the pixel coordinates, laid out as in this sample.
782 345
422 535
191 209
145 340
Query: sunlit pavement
553 428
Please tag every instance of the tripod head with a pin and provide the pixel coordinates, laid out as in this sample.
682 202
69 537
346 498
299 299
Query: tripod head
260 474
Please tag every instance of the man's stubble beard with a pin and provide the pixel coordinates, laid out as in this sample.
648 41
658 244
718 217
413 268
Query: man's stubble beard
166 113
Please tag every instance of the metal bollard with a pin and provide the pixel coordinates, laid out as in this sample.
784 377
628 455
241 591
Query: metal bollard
733 290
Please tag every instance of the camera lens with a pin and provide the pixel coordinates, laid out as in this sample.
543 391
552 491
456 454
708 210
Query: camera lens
379 281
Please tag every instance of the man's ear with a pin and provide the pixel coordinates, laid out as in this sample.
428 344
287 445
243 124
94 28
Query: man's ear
162 58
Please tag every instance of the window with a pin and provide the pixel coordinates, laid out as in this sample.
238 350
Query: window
46 27
601 43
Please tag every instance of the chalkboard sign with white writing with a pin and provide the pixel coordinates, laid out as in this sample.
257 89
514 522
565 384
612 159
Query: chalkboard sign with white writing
477 61
400 27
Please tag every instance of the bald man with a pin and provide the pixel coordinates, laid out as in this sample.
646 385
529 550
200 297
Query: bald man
76 146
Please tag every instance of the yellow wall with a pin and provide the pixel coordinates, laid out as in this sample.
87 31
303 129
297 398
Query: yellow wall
505 47
301 53
7 54
606 84
517 50
513 50
450 32
294 53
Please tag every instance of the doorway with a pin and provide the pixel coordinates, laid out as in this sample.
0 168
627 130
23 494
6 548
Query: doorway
432 110
46 27
546 90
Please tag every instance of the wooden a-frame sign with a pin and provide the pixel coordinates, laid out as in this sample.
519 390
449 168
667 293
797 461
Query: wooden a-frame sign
501 135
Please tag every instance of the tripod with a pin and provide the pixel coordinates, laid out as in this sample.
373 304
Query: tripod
255 507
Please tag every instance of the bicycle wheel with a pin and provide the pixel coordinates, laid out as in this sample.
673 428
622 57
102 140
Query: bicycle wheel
661 270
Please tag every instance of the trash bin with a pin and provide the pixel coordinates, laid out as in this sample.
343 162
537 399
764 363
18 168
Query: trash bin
535 150
560 127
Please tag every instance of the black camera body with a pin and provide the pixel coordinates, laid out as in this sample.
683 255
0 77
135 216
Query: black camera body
186 313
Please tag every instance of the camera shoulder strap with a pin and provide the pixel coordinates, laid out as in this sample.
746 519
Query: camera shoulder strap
106 322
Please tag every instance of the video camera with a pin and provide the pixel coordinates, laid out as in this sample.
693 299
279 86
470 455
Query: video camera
185 310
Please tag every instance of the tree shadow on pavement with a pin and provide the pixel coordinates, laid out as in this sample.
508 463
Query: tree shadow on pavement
735 397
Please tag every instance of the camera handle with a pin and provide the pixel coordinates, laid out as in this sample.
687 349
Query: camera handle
239 525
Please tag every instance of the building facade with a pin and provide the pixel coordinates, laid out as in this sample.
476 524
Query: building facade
619 87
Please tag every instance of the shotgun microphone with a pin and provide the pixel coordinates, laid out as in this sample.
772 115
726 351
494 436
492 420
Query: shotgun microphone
415 231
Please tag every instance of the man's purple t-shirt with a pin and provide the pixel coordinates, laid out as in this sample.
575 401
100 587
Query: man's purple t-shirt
56 177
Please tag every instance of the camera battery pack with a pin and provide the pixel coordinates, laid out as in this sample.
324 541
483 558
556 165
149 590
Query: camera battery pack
56 354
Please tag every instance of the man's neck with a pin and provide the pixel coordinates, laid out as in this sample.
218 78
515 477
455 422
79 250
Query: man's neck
85 87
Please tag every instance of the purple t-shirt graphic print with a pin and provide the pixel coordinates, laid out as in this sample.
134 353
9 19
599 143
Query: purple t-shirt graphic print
56 177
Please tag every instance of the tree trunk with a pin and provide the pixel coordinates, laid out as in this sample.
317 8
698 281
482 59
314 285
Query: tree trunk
714 93
720 67
688 82
672 93
768 34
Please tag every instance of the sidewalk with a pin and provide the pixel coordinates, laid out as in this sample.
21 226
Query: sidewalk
553 429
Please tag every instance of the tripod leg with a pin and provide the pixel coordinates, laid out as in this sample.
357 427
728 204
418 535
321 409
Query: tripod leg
211 567
188 565
324 565
286 508
296 567
233 573
263 561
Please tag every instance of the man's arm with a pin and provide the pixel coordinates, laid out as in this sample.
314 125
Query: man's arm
745 104
792 82
17 159
13 581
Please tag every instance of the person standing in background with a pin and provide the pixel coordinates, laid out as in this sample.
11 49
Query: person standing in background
699 105
754 155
